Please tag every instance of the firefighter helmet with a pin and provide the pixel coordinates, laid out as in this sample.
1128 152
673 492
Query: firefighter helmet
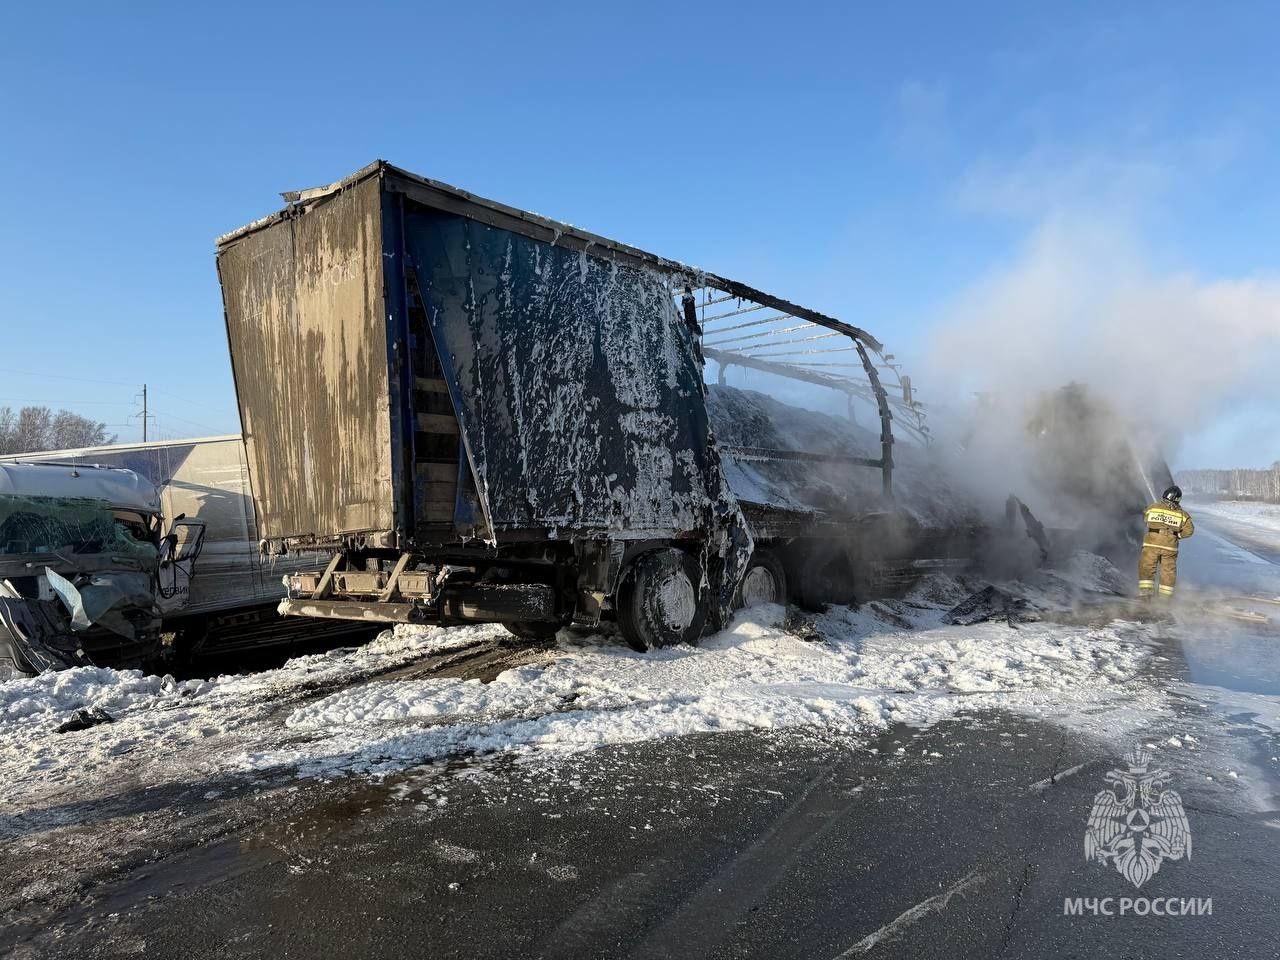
1173 493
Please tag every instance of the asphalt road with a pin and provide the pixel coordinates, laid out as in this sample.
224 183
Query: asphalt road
964 839
719 846
1259 542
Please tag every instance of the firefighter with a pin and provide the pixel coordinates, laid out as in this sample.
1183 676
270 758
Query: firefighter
1167 525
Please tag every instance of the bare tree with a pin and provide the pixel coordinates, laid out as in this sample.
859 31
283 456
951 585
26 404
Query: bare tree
72 430
7 423
39 428
33 428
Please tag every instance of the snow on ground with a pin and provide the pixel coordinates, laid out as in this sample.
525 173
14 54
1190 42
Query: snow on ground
1255 708
162 724
755 674
1236 549
847 672
1263 517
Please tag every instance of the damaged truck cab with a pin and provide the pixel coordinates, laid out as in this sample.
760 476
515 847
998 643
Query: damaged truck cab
484 415
81 551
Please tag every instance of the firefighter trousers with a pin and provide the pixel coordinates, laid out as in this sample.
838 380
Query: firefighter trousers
1166 558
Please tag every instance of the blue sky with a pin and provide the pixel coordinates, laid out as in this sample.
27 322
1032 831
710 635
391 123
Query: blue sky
899 168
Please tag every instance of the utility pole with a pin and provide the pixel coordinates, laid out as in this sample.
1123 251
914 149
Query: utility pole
145 412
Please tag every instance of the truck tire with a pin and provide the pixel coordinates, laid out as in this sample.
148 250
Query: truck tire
661 601
765 581
823 573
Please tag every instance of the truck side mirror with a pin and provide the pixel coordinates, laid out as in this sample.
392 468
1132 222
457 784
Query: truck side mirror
183 542
189 546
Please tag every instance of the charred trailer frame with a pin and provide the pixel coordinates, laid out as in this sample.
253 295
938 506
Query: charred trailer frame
485 415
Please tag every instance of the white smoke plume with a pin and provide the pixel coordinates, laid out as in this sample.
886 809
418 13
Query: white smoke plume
1169 354
1169 351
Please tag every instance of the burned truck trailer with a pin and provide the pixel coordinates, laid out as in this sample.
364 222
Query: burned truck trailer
484 415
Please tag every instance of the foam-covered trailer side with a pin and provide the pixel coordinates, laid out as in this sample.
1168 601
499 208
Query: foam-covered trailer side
575 380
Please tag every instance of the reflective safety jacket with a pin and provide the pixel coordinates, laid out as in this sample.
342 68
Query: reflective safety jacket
1166 525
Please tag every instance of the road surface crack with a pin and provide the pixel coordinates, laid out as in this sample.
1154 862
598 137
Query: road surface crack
1028 871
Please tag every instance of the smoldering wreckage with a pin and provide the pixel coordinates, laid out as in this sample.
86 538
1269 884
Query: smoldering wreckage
456 411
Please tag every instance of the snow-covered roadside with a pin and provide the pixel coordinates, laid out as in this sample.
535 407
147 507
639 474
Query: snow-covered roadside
1236 549
165 730
1262 517
58 693
846 673
754 675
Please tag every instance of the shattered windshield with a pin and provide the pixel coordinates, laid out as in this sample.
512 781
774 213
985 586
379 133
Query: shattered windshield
66 525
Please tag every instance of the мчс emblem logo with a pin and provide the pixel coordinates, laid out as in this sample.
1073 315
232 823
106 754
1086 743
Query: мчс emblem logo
1138 824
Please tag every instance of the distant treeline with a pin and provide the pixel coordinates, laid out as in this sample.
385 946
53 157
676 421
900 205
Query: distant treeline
39 428
1233 484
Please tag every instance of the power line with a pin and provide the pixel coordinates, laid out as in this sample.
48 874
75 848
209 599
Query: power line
95 403
113 383
70 403
180 397
197 423
62 376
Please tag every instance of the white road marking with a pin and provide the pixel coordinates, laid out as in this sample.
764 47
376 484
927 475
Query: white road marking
935 904
1041 785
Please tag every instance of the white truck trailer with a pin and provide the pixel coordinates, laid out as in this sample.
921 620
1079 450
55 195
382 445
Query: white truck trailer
228 599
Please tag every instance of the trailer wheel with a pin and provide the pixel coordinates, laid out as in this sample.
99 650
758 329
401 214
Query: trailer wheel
661 601
764 582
